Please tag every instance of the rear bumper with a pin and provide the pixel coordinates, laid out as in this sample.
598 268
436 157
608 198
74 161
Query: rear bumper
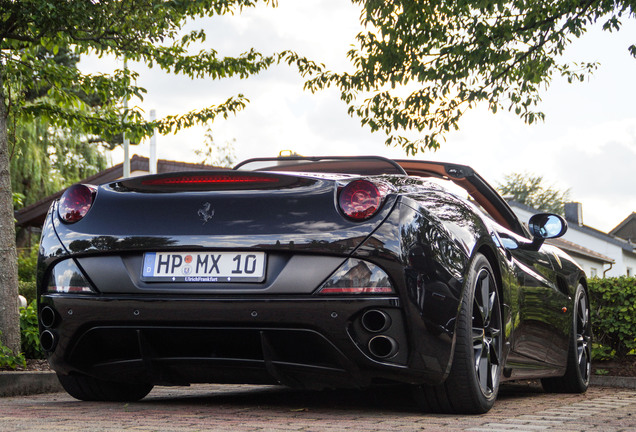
297 341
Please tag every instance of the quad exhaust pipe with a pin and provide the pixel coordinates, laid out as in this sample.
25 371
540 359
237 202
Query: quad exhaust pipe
48 319
380 346
380 333
376 321
48 340
383 347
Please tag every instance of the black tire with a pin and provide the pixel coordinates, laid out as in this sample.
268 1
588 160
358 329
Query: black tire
87 388
579 366
473 382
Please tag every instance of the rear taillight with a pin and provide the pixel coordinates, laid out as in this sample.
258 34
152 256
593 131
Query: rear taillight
76 202
357 277
360 199
66 277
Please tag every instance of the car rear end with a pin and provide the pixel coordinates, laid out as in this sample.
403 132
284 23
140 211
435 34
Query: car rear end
231 277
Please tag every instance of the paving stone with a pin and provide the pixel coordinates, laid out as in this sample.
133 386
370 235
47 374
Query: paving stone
521 407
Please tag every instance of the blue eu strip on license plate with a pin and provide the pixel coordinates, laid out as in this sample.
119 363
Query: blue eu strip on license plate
203 267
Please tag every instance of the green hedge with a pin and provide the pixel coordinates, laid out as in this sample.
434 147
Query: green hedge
30 340
27 263
28 290
8 360
613 309
30 334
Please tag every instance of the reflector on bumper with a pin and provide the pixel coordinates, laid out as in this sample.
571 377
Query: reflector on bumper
66 277
357 277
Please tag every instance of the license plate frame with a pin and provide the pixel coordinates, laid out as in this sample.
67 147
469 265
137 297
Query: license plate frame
204 267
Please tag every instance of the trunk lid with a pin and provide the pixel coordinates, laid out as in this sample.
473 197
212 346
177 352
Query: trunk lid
220 210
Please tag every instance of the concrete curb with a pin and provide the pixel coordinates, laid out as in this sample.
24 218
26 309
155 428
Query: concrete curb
613 381
28 383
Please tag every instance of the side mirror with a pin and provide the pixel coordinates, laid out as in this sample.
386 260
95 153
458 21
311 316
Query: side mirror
546 226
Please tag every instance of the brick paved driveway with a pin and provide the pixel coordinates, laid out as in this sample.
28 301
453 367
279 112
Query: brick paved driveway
521 407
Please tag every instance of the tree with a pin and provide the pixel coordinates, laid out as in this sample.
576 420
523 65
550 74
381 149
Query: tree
221 155
46 159
147 32
531 190
421 64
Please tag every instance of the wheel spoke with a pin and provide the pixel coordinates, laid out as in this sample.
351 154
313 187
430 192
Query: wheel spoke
492 298
485 303
478 349
494 333
582 313
582 348
492 377
494 355
483 370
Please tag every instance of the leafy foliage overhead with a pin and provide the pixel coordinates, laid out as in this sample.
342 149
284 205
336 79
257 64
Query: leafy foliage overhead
420 64
147 32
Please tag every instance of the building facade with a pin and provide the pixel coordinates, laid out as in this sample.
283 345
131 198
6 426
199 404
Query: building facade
598 253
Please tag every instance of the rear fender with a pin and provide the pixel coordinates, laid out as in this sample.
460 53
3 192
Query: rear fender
426 264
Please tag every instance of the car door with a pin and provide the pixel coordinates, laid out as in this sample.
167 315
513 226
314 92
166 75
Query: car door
538 322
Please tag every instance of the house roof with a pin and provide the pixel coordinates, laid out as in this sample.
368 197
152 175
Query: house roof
33 215
580 251
624 244
628 226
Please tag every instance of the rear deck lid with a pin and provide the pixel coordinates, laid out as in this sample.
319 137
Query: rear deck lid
221 210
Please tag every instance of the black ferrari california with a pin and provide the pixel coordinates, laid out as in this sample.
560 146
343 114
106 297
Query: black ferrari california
312 272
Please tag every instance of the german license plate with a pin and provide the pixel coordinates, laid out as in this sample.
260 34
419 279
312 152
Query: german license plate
204 267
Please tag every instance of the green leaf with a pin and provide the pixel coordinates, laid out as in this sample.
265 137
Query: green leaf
492 53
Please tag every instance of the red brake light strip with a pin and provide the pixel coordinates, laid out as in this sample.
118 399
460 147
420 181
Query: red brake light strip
208 179
356 290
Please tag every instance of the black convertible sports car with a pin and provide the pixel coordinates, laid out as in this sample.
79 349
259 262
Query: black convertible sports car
309 272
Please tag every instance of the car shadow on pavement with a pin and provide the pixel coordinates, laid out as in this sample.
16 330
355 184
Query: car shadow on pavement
388 398
278 397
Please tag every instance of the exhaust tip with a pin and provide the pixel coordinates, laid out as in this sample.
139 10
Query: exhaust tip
48 317
383 347
48 340
376 321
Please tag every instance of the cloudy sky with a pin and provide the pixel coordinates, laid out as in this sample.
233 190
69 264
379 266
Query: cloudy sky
587 142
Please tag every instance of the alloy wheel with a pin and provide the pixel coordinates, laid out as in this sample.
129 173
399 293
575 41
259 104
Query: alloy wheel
583 337
486 331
